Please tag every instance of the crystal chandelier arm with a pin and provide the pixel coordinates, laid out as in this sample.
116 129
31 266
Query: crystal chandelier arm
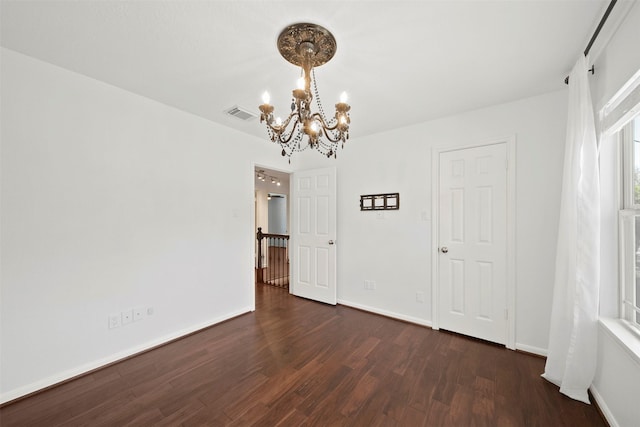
328 135
293 130
281 127
324 124
329 129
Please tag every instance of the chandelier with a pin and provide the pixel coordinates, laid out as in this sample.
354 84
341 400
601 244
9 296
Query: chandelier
307 46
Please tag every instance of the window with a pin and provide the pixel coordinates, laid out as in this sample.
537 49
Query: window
629 222
620 120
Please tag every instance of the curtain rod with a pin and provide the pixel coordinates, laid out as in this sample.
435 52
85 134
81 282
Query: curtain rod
595 35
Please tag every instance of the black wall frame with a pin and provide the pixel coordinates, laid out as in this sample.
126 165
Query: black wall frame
380 202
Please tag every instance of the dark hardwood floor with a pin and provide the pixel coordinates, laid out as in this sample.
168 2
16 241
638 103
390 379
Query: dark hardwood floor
296 362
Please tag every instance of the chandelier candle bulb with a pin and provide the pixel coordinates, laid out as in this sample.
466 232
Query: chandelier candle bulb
266 98
343 98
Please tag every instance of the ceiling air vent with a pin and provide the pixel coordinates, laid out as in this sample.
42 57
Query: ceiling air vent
241 113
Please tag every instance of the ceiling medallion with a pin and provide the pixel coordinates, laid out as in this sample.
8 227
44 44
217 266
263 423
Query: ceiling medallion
307 46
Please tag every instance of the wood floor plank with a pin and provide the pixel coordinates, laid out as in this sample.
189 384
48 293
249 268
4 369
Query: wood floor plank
365 387
206 417
295 362
412 417
369 412
295 418
321 388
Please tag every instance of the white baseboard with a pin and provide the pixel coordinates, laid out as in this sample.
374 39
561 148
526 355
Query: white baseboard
386 313
88 367
608 415
523 347
531 349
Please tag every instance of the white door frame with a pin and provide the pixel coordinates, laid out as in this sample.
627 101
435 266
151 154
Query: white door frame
252 255
511 231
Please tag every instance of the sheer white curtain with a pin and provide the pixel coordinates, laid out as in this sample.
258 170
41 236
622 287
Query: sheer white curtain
571 360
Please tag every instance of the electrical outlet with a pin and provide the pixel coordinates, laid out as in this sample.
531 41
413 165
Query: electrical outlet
149 311
139 313
127 316
372 285
114 320
419 296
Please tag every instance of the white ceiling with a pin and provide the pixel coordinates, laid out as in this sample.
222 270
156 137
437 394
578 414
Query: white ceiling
402 62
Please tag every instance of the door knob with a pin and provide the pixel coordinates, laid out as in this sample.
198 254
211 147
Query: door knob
331 242
444 249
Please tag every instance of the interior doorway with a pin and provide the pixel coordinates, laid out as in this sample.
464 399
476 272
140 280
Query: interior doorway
272 227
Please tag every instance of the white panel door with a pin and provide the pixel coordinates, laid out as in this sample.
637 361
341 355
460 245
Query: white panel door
472 235
313 267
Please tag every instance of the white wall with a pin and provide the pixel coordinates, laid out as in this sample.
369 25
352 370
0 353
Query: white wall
278 215
262 210
112 201
617 382
396 251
